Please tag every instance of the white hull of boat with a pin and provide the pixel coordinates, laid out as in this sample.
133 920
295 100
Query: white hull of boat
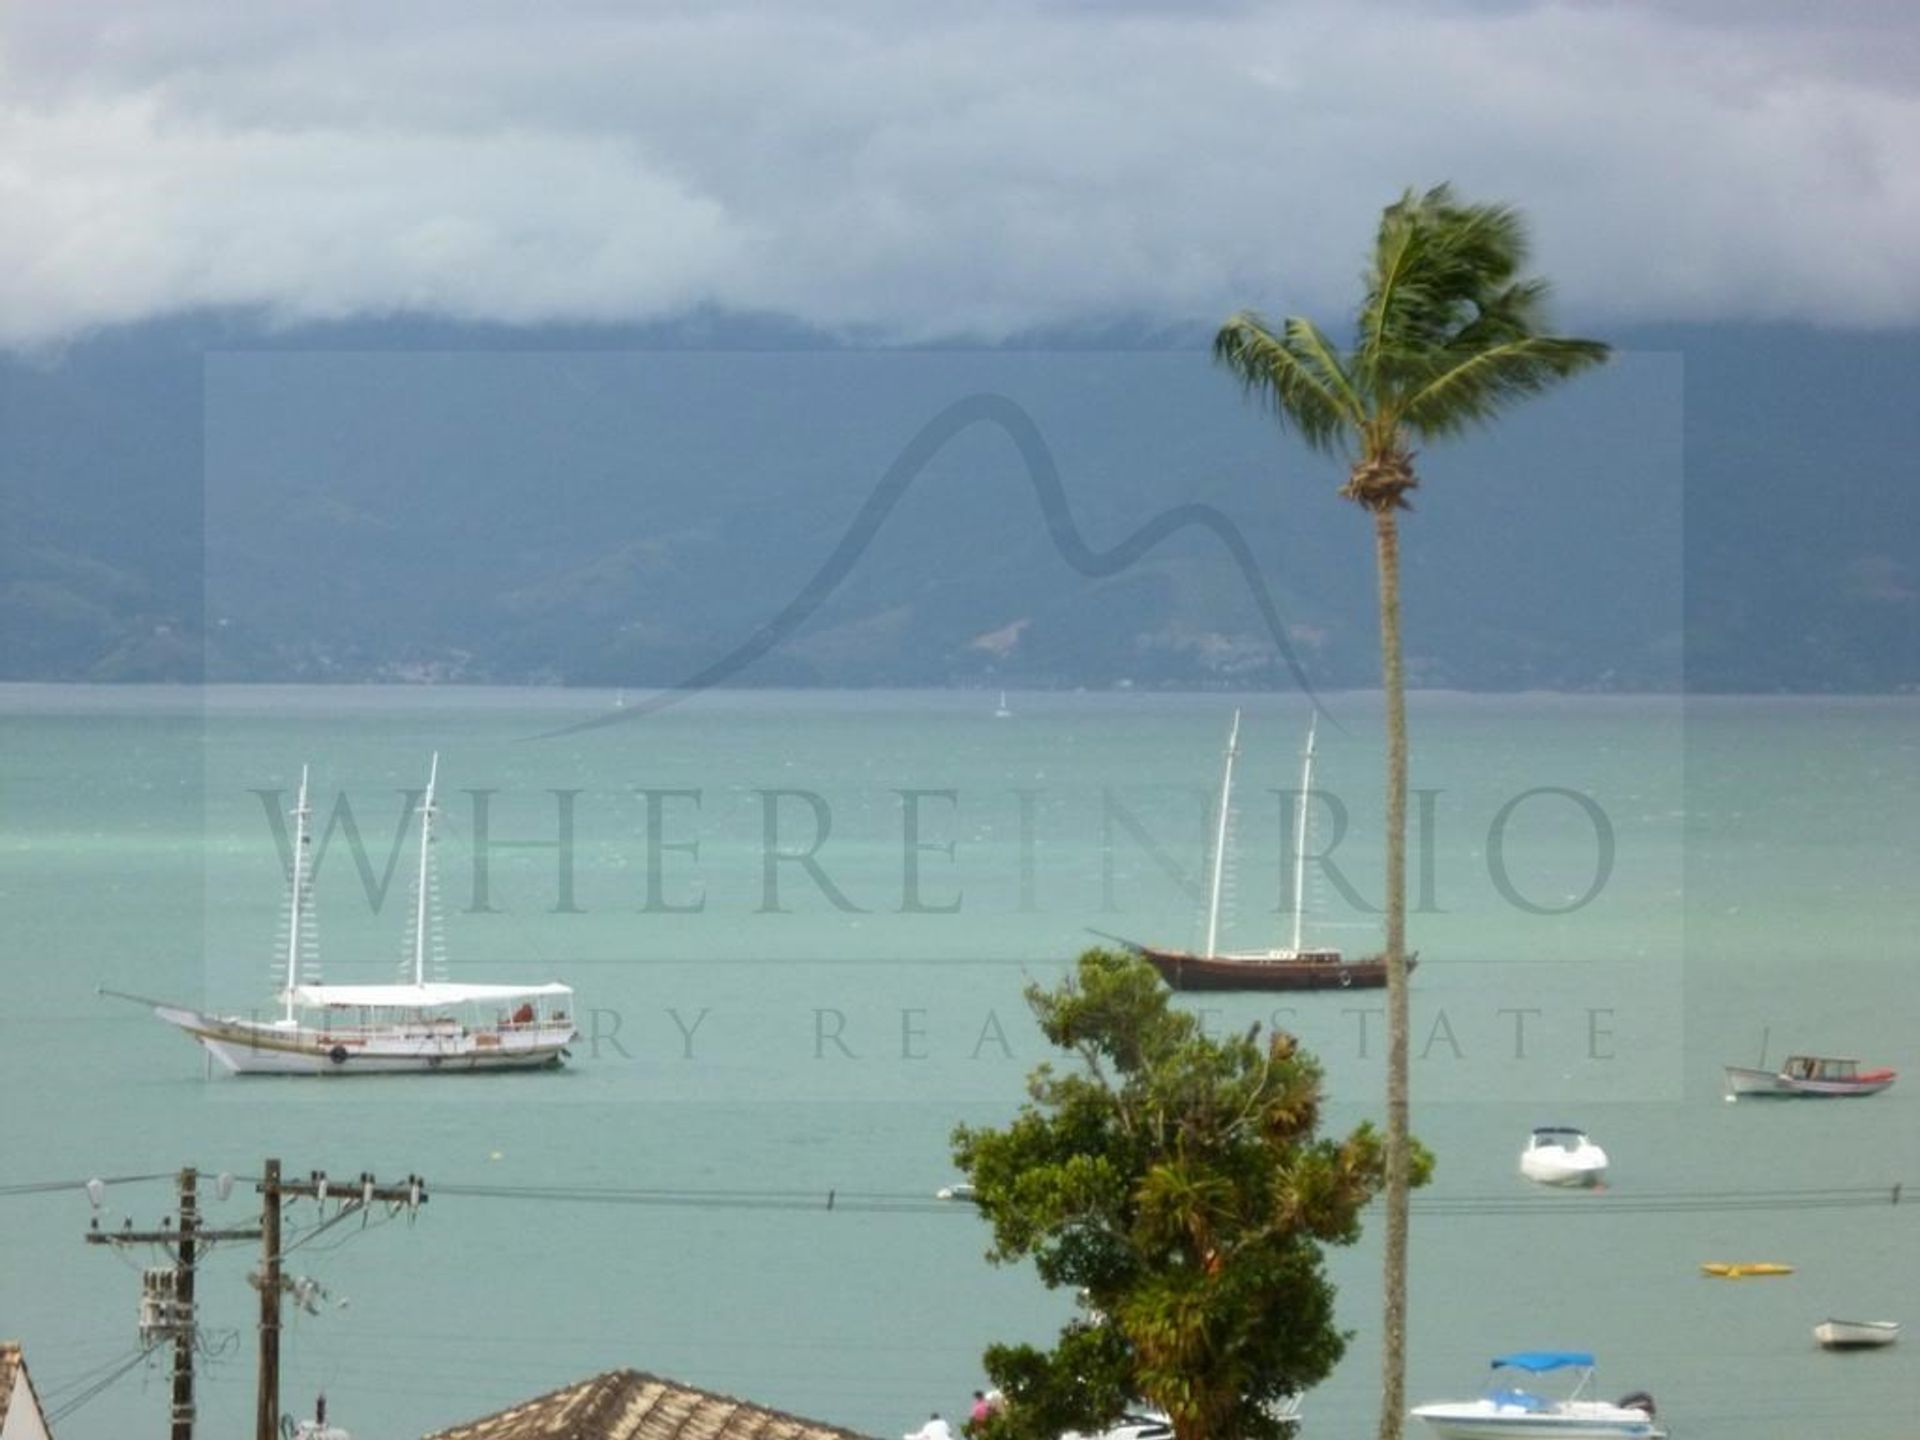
1743 1081
1569 1169
1576 1420
249 1047
1857 1334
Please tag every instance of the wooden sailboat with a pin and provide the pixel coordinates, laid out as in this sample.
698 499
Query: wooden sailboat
418 1025
1298 966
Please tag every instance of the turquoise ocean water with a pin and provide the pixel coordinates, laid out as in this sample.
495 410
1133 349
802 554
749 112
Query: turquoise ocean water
799 925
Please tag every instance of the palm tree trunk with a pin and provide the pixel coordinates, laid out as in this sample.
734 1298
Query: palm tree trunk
1393 1324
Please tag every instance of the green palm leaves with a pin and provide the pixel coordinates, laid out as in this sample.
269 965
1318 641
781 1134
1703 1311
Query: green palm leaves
1447 335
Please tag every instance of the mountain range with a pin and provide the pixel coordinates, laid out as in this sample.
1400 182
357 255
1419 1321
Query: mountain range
209 499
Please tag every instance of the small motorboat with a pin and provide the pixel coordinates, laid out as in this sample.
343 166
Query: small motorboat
1506 1411
1856 1334
1742 1269
1562 1155
1808 1076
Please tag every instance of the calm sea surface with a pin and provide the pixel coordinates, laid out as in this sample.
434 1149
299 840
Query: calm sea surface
799 926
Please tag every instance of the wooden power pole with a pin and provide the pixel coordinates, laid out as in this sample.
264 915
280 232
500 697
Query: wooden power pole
167 1299
358 1193
183 1294
266 1414
167 1295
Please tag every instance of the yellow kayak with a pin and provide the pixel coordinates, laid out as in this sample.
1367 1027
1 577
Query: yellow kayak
1741 1270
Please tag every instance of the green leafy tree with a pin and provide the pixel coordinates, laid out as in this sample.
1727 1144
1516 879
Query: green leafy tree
1448 335
1177 1183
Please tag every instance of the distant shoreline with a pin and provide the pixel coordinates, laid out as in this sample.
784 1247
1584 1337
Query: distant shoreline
585 697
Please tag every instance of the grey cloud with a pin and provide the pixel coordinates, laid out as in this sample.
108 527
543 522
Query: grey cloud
916 171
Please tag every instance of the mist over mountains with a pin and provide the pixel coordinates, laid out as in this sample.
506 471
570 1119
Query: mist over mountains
1723 509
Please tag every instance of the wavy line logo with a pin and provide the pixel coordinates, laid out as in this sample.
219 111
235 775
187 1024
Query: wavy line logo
1003 414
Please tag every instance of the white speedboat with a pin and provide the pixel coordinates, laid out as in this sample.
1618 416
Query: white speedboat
1562 1155
1856 1334
420 1024
1513 1412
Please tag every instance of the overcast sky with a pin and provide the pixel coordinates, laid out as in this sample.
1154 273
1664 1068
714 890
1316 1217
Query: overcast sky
915 170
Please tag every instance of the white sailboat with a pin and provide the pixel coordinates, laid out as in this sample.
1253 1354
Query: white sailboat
419 1024
1002 712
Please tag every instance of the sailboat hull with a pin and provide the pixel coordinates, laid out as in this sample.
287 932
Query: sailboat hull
249 1047
1275 970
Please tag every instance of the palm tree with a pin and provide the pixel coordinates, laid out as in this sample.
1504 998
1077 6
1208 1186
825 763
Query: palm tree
1448 335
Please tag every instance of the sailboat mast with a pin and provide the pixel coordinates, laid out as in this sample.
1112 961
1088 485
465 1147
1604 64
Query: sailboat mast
1300 837
299 888
420 896
1220 839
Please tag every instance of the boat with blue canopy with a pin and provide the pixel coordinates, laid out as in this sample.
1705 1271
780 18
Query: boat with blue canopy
1513 1407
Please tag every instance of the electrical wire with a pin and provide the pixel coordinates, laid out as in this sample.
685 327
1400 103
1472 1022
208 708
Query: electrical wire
89 1375
1596 1202
97 1388
43 1187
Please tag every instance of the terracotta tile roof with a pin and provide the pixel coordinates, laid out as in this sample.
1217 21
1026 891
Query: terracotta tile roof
10 1366
629 1405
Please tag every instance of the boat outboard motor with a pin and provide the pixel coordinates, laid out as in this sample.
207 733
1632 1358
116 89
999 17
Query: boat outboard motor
1640 1400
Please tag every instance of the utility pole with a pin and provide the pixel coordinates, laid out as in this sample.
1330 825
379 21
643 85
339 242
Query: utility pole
167 1296
266 1413
359 1193
183 1296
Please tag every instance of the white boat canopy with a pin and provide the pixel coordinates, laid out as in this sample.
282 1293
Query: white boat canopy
432 996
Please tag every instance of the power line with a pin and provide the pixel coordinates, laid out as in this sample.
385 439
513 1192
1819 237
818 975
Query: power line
44 1187
1596 1202
1593 1202
98 1387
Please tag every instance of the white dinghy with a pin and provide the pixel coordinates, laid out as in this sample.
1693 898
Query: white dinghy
1562 1155
1856 1334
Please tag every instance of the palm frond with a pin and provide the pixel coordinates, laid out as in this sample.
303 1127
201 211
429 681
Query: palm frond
1297 373
1439 268
1471 388
1507 314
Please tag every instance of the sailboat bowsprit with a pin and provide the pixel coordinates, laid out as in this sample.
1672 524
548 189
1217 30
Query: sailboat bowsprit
1296 967
421 1024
